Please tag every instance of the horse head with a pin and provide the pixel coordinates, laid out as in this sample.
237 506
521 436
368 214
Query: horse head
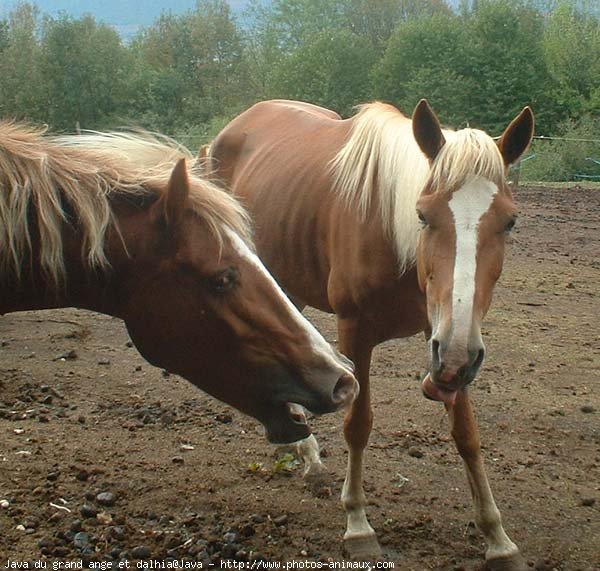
198 302
466 210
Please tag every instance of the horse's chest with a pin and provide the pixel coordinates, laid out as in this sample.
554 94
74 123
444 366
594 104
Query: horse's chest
393 305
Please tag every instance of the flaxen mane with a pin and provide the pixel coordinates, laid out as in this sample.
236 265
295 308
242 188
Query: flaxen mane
381 155
41 174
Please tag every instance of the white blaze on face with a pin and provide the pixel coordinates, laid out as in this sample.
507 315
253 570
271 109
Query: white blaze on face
318 343
468 205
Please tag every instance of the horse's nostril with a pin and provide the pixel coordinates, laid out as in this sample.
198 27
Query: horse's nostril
478 359
435 355
345 390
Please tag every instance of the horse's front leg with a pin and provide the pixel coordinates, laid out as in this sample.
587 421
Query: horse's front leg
502 554
360 539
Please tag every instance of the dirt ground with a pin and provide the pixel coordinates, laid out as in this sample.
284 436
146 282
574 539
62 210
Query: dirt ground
103 457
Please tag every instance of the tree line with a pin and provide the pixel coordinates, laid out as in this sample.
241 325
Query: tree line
187 75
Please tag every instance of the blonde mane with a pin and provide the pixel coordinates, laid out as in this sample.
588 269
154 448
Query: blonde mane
72 179
381 155
467 153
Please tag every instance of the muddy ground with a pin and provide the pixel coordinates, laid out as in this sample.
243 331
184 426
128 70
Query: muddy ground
183 476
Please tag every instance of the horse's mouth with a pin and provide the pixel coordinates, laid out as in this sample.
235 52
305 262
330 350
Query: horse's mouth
285 425
296 416
438 392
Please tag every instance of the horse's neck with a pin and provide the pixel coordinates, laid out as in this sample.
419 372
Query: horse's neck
94 289
29 296
80 288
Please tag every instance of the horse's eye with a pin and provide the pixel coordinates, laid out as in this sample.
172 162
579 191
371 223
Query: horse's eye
223 282
422 218
510 224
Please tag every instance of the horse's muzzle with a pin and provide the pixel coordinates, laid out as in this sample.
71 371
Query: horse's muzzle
445 380
328 389
345 391
450 372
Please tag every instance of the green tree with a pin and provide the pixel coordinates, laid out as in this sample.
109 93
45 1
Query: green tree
571 44
506 60
332 69
279 28
192 65
21 85
426 57
162 64
262 51
478 68
294 21
85 72
4 35
377 19
218 62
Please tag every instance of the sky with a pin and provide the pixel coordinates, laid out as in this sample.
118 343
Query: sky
126 16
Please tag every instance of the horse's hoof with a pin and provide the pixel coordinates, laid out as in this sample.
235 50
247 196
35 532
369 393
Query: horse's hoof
514 562
362 548
318 480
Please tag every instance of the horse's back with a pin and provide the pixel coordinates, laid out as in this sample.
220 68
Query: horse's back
268 127
316 110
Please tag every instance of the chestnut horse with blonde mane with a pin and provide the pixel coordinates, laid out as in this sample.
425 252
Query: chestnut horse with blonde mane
104 222
397 226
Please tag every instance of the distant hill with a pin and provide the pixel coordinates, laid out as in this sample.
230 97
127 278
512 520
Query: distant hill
126 16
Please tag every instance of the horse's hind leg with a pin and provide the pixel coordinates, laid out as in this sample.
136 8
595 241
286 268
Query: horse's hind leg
360 540
502 554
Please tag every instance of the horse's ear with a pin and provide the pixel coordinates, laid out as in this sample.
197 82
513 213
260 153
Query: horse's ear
517 136
203 151
427 130
202 162
176 196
